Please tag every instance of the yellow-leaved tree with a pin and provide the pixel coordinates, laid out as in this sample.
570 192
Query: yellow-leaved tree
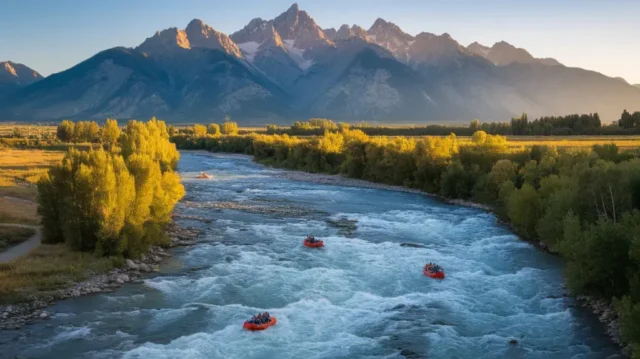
110 202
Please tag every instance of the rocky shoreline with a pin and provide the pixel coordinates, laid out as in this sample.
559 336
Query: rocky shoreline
607 316
17 315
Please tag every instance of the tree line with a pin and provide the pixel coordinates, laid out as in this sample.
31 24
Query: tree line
569 125
114 200
581 204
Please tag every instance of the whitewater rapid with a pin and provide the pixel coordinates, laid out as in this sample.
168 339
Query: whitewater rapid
362 296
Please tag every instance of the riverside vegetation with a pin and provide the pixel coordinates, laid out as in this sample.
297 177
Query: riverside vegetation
98 207
114 201
583 204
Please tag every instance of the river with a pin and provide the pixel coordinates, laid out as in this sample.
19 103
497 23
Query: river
362 296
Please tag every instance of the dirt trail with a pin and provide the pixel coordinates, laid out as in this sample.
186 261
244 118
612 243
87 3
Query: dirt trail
22 248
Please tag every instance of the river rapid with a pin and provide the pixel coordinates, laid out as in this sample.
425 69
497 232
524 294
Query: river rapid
362 296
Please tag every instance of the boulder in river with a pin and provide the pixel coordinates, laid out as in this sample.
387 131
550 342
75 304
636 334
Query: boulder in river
412 245
131 264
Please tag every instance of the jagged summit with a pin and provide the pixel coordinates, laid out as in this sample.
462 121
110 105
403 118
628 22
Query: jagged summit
200 34
345 33
165 42
330 33
298 26
257 31
197 34
14 75
389 36
293 8
388 30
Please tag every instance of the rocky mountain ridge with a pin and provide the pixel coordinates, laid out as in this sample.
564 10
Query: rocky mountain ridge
290 68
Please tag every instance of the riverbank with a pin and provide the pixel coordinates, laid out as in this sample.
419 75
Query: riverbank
33 308
603 310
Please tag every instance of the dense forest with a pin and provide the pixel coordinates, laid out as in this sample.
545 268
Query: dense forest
570 125
581 204
114 200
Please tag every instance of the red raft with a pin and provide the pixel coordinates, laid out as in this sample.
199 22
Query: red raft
252 326
316 244
439 274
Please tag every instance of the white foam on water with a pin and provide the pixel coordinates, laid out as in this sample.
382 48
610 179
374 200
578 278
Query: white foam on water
69 334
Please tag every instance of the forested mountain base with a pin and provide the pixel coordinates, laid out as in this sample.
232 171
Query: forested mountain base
582 204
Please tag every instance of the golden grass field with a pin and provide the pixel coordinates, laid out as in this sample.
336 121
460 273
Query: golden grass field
8 129
21 169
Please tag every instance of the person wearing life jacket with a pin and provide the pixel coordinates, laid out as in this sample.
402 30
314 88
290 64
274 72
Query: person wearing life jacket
254 320
259 319
265 317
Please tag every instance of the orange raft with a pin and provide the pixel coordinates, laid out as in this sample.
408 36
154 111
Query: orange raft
204 176
433 274
252 326
316 244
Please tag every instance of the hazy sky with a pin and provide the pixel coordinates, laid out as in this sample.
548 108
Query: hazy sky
604 35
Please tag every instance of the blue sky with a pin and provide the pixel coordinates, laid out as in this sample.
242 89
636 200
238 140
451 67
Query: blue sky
53 35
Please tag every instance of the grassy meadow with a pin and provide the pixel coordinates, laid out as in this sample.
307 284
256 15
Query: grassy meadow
20 170
47 268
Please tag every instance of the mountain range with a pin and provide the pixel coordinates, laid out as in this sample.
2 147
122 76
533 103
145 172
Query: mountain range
290 68
16 76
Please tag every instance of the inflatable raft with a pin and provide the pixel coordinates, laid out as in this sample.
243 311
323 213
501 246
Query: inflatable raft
253 326
204 176
316 244
433 274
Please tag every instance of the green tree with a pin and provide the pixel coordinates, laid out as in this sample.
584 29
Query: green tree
629 314
523 209
597 257
474 125
502 171
66 131
558 197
